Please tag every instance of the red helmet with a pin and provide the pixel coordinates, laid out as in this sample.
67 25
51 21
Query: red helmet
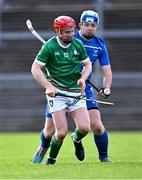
62 22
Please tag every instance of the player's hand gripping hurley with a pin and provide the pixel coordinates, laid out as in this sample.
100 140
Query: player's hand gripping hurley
30 27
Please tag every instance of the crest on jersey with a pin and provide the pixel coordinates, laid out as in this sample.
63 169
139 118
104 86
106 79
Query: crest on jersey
95 51
75 52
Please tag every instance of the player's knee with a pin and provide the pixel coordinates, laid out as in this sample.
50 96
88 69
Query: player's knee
98 130
84 129
61 135
48 134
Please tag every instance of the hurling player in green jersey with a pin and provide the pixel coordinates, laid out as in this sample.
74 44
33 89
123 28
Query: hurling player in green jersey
61 57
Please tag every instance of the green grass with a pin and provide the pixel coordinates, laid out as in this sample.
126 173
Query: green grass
125 149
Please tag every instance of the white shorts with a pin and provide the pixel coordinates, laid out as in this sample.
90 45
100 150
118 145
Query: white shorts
59 102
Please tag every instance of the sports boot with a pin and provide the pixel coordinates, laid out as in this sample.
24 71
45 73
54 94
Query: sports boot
79 149
39 155
50 161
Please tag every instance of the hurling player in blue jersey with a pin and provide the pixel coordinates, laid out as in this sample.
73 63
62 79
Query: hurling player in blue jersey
96 50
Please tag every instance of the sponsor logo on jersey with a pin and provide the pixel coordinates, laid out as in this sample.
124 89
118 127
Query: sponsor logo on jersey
56 53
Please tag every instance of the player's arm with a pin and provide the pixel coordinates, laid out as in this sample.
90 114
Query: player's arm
106 72
107 81
38 74
87 68
85 73
107 76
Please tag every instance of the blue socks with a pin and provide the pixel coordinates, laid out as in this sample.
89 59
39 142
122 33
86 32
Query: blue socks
102 145
45 143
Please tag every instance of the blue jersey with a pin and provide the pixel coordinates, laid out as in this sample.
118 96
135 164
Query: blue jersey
96 50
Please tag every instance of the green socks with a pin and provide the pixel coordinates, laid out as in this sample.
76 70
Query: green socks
55 146
78 135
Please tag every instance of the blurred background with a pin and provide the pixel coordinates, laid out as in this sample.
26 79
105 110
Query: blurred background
22 100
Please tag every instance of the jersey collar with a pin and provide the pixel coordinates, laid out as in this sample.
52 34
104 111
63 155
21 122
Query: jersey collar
62 44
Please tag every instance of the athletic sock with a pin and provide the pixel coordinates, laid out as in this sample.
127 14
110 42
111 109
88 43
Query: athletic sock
78 135
45 143
102 145
55 146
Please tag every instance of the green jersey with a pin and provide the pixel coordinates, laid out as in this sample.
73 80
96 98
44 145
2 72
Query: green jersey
62 63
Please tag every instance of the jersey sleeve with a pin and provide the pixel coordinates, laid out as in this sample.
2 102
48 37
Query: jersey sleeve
104 56
43 55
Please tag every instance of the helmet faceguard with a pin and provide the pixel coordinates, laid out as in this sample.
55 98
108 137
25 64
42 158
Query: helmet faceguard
90 16
63 22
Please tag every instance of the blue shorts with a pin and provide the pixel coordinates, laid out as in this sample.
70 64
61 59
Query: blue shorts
90 105
90 94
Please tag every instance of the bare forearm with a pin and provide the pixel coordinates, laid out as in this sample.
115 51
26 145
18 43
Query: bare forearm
39 76
107 81
87 70
107 76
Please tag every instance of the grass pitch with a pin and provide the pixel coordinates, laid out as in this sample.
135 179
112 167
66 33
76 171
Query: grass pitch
17 149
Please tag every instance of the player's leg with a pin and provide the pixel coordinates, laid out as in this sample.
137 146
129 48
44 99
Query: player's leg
45 137
57 106
98 129
61 128
82 121
100 135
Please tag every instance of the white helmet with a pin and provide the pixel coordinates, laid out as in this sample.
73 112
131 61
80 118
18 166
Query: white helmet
90 16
